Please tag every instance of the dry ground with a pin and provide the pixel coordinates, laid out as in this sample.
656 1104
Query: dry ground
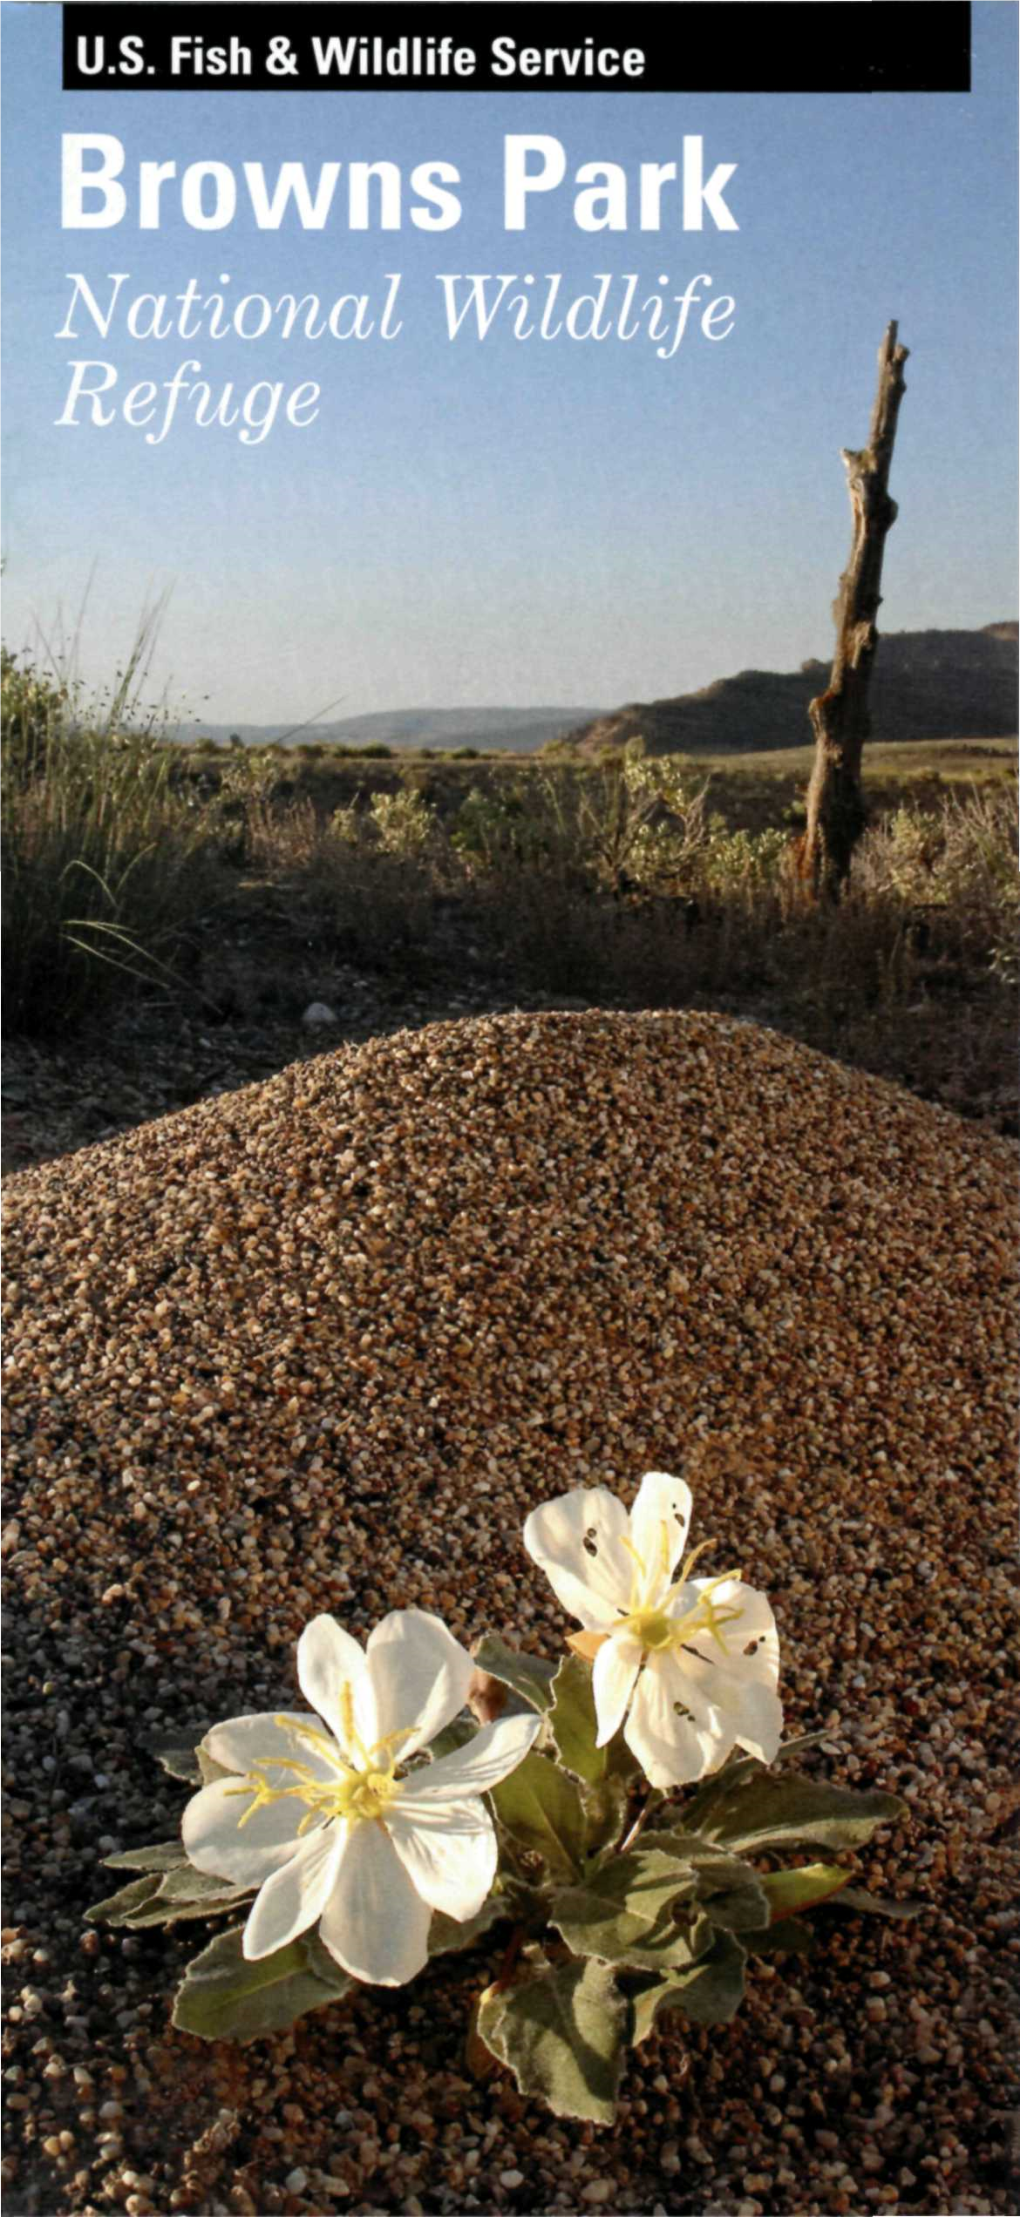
321 1344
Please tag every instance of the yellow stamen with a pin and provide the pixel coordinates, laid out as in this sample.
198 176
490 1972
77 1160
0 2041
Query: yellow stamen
695 1557
651 1628
659 1633
320 1742
360 1791
637 1569
665 1549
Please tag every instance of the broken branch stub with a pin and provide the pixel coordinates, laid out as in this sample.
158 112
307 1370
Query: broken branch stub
836 814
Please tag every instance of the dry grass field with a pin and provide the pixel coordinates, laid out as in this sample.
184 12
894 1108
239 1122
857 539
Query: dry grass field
170 913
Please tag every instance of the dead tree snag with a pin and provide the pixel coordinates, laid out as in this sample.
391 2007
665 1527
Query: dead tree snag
836 814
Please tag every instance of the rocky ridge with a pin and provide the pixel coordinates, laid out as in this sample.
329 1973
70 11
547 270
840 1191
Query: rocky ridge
926 685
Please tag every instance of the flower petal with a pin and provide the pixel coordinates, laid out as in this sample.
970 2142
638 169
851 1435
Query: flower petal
295 1897
751 1640
327 1660
755 1712
449 1853
494 1752
215 1839
243 1741
612 1681
591 1582
659 1523
375 1924
724 1693
672 1745
694 1685
420 1677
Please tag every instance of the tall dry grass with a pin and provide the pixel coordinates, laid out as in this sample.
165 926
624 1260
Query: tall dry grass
106 854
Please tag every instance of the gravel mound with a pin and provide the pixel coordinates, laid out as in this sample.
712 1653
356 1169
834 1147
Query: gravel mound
321 1345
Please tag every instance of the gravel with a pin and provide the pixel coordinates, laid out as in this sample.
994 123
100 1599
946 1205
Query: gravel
321 1344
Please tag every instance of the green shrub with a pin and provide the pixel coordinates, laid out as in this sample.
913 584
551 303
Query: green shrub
402 822
959 858
34 711
743 862
498 830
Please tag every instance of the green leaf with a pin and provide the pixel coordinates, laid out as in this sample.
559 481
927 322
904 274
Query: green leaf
117 1908
710 1993
478 2056
181 1762
541 1809
574 1722
216 1903
562 2036
604 1771
798 1746
876 1905
791 1936
626 1912
193 1764
733 1900
768 1811
164 1855
172 1896
446 1935
788 1892
728 1890
186 1884
605 1813
530 1676
225 1998
158 1911
209 1770
737 1771
324 1965
452 1738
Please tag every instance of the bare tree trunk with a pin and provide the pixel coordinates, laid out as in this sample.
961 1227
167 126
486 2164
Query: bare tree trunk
836 814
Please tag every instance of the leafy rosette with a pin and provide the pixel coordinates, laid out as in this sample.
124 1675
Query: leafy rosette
385 1825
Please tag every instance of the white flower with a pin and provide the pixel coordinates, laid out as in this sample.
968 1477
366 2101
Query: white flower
324 1820
692 1663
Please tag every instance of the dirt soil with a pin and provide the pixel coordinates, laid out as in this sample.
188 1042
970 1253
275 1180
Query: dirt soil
150 1057
321 1344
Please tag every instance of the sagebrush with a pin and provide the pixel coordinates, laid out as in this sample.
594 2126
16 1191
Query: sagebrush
625 881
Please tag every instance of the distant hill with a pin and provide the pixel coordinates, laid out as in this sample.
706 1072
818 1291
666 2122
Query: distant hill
925 685
519 730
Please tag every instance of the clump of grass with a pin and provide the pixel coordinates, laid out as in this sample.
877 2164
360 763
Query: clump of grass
105 850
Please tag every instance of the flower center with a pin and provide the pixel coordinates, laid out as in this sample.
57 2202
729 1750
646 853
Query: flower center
659 1634
365 1795
651 1628
357 1792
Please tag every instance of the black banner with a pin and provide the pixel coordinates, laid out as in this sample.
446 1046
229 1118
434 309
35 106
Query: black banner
694 46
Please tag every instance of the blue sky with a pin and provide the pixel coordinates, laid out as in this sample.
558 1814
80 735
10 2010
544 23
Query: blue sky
520 522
